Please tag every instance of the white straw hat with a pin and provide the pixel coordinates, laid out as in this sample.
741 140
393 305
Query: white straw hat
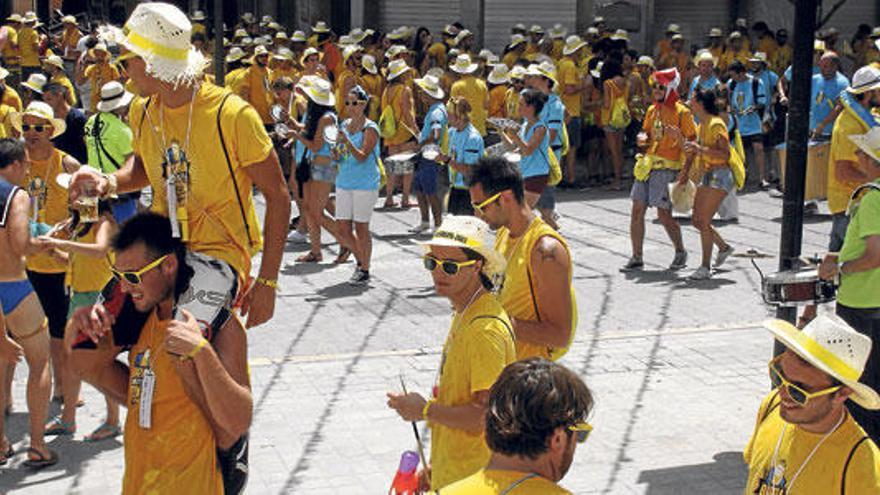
318 89
646 60
715 32
68 19
298 37
396 68
518 72
54 61
544 69
869 143
572 44
469 232
395 50
320 27
369 63
830 345
113 96
40 110
499 75
865 79
308 53
704 56
199 15
558 32
516 39
431 85
235 54
759 57
35 82
463 64
464 33
160 34
620 35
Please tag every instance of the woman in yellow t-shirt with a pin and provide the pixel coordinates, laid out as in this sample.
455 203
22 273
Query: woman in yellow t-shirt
88 251
372 82
712 151
614 95
398 97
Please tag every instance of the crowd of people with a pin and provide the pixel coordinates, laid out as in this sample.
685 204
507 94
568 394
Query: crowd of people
128 173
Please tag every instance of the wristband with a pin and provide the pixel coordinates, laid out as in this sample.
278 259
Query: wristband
195 351
428 405
273 283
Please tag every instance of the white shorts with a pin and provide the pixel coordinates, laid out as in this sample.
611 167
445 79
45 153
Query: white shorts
355 204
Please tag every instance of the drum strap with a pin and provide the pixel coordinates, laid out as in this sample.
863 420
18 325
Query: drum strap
856 196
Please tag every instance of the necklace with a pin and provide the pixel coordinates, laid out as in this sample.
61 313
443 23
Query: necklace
809 456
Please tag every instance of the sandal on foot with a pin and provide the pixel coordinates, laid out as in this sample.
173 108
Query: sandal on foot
310 258
344 253
5 456
40 461
103 432
58 427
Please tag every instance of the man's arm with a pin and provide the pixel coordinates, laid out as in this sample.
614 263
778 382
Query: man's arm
869 260
551 268
18 229
848 171
828 120
470 417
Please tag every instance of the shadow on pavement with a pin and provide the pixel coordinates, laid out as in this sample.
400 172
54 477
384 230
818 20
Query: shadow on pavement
727 475
73 456
342 289
653 276
305 268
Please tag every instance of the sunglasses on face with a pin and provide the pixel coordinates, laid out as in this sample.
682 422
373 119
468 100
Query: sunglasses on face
449 267
794 391
35 128
135 278
478 207
353 103
581 431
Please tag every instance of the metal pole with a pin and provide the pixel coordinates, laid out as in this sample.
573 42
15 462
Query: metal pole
796 154
219 49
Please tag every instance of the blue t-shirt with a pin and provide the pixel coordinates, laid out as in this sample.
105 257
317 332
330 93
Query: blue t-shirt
436 118
325 148
741 99
553 116
823 98
787 73
467 148
703 83
537 163
355 175
769 78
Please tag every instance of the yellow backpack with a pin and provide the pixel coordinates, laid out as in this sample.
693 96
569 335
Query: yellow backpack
387 123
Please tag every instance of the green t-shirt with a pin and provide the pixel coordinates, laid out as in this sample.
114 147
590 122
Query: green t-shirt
862 289
115 137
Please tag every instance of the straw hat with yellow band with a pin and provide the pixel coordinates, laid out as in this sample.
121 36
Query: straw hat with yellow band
318 89
160 33
358 35
54 61
235 54
464 33
320 27
544 69
349 51
298 37
705 56
35 82
572 44
469 232
646 60
430 85
14 18
395 50
557 32
39 110
516 40
308 53
369 64
396 68
499 75
68 19
284 54
463 64
830 345
518 72
759 57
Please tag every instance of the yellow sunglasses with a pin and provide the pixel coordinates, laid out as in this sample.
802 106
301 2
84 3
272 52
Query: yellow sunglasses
134 278
797 393
478 207
582 431
449 267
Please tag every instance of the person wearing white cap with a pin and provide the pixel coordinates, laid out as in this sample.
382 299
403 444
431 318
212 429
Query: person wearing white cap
473 89
29 40
97 74
398 107
53 65
805 441
572 86
705 78
463 267
435 130
70 39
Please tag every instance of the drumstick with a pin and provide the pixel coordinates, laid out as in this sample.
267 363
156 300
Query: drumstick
415 430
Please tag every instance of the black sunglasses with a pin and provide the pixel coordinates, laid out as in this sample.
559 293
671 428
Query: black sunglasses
37 127
353 103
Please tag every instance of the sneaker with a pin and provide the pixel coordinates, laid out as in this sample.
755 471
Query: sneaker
420 228
297 237
359 277
634 264
811 208
680 260
722 256
701 273
765 185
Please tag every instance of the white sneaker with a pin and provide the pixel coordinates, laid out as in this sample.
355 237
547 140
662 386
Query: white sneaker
701 273
297 237
722 256
420 228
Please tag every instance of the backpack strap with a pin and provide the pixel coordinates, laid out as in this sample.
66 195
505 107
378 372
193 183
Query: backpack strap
247 227
846 464
771 407
491 317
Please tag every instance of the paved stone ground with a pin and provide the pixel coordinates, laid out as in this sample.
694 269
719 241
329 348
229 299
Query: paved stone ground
678 368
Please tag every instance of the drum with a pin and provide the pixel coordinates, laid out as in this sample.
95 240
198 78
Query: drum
401 157
816 186
501 124
430 152
512 157
797 288
497 150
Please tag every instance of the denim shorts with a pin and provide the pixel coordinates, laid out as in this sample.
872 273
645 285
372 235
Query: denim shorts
324 173
655 191
425 179
719 178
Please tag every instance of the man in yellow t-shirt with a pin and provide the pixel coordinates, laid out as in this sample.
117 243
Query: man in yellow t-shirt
8 95
478 347
805 441
530 456
256 84
10 53
537 292
472 89
97 74
572 85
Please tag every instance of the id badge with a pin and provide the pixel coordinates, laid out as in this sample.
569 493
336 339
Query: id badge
148 384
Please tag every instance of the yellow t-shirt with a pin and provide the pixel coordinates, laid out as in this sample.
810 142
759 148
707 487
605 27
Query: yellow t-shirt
478 347
29 47
198 27
65 81
99 75
87 273
11 98
825 471
768 45
51 201
373 84
532 50
510 58
568 75
177 454
69 39
216 226
10 49
497 100
511 103
5 123
782 58
278 73
842 148
707 135
256 79
437 53
727 58
517 296
495 482
475 92
661 143
393 96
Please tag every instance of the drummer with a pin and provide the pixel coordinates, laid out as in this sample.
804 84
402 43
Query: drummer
433 131
532 142
465 149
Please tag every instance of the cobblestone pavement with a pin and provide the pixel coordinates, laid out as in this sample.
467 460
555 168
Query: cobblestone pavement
678 368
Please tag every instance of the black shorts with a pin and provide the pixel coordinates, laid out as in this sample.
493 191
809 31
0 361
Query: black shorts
459 202
754 138
234 466
53 297
593 132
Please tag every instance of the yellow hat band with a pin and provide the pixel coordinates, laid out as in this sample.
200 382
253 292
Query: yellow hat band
445 234
828 358
149 45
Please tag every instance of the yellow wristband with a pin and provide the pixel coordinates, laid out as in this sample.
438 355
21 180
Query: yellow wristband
273 283
195 351
427 406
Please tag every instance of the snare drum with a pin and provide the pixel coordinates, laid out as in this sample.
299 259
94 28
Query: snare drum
797 288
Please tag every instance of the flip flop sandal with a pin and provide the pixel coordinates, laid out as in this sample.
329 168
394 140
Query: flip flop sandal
4 458
40 461
310 258
344 253
103 432
58 427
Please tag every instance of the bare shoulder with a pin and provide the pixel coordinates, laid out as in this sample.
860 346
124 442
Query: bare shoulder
550 252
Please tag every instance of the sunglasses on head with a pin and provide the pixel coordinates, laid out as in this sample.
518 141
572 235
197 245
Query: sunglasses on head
794 391
478 207
449 267
135 277
581 431
36 128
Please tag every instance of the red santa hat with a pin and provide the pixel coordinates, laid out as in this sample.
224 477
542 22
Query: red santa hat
670 79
